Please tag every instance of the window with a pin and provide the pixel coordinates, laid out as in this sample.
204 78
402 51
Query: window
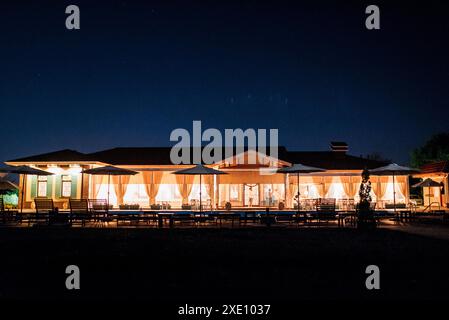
136 194
234 194
66 186
42 186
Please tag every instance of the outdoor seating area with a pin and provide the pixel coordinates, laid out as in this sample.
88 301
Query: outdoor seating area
97 213
115 189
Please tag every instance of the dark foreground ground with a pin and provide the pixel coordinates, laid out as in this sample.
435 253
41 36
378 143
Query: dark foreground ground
221 265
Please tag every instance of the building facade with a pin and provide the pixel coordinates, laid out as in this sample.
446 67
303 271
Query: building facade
245 185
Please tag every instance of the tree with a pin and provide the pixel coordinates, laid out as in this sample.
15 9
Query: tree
435 149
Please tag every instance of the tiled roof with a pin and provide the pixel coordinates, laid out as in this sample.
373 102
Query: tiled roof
65 155
330 160
440 166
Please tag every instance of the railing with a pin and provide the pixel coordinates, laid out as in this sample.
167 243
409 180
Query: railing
430 206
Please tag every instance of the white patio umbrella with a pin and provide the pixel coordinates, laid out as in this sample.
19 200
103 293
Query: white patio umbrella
25 171
110 171
393 169
201 171
298 169
429 183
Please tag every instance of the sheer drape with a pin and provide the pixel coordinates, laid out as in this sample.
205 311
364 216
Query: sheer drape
209 183
402 183
318 181
147 178
152 180
375 186
356 181
184 183
327 182
322 185
157 177
383 182
347 186
97 181
120 186
293 189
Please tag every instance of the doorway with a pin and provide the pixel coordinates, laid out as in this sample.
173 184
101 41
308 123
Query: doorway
251 195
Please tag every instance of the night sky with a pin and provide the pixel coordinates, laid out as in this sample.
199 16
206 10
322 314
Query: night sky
139 69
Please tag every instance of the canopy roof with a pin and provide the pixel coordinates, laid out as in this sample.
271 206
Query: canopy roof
393 168
427 183
199 169
25 170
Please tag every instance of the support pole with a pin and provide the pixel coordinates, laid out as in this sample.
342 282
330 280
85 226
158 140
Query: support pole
201 208
23 189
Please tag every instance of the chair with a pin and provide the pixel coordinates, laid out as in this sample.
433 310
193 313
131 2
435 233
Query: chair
232 217
397 206
79 211
99 209
185 218
250 216
325 210
286 217
7 215
43 208
46 212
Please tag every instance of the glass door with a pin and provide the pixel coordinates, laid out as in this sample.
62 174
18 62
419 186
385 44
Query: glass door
251 192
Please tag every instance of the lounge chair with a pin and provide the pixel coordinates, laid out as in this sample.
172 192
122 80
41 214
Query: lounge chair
7 216
99 209
325 210
47 213
79 211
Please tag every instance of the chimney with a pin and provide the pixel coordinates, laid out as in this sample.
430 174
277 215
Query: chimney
339 146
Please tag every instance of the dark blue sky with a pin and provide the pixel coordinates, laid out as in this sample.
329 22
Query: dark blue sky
139 69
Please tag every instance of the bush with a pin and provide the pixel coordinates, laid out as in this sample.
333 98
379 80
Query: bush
10 199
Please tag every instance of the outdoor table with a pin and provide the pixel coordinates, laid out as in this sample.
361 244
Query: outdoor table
250 215
224 216
404 214
343 215
165 216
125 216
